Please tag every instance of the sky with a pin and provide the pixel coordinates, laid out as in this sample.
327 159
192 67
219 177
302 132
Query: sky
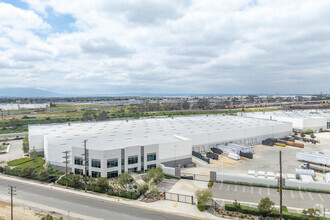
172 46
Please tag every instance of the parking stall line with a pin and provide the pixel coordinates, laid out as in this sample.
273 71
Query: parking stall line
320 197
228 187
292 194
236 188
310 195
220 186
301 195
260 191
251 189
268 192
243 188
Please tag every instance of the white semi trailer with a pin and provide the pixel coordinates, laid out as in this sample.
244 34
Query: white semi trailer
313 158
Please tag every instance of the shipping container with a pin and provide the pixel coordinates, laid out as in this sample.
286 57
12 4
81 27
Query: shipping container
242 148
216 150
213 156
228 150
200 156
279 144
300 172
313 158
247 155
295 144
234 156
306 178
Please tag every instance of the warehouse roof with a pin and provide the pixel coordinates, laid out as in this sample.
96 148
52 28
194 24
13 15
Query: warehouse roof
296 114
123 133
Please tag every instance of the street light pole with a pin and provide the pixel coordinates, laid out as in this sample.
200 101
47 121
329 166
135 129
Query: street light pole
281 185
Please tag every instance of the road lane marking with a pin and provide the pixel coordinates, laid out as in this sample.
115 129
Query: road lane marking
251 189
321 197
243 188
310 195
236 188
292 194
301 195
228 187
268 191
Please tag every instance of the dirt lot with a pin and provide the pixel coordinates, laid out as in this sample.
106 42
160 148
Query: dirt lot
265 158
19 212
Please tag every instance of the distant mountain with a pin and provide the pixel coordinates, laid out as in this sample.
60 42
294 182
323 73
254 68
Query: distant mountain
27 93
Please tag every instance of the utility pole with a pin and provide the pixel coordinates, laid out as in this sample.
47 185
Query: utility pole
86 162
66 166
281 185
12 191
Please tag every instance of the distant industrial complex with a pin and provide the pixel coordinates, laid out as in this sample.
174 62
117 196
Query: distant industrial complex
301 119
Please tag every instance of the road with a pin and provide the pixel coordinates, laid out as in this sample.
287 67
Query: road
248 194
37 197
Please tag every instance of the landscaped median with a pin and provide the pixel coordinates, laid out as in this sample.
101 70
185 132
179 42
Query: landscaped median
31 168
255 211
275 187
266 209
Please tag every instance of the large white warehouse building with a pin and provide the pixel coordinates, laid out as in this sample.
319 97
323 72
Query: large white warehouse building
301 119
118 146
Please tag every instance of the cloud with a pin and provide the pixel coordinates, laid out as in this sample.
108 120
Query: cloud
106 47
168 46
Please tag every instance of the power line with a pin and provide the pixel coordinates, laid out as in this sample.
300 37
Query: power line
85 163
12 192
66 166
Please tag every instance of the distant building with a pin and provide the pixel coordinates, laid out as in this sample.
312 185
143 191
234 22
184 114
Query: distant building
118 146
301 119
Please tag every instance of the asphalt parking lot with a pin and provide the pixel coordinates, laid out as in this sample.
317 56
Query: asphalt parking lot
247 195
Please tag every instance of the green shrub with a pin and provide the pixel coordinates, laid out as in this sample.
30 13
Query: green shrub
202 208
168 176
284 209
124 194
210 184
19 161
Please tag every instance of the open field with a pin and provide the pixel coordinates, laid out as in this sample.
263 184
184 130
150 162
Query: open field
17 121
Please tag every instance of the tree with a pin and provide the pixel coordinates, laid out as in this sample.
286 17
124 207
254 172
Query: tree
14 122
125 178
27 171
26 144
313 136
311 212
185 105
87 116
76 180
302 135
102 116
203 103
237 206
33 154
155 174
203 196
266 206
103 183
143 188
